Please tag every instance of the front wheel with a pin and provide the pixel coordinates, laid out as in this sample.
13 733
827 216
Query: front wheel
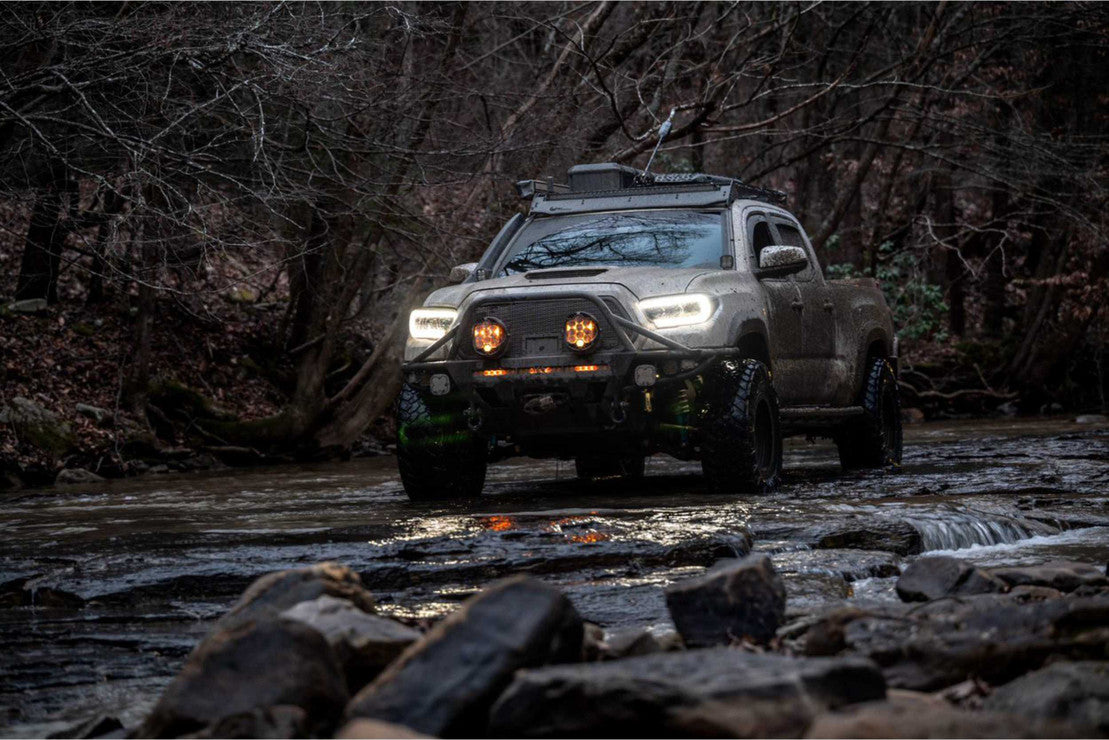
875 440
438 455
741 438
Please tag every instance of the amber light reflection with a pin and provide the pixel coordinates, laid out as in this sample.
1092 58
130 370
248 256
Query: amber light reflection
498 523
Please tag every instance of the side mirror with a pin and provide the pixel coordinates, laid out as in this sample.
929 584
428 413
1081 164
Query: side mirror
460 273
780 260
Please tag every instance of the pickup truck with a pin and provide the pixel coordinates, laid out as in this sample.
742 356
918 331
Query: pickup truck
630 314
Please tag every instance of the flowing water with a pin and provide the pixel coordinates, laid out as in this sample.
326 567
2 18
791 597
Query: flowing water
155 559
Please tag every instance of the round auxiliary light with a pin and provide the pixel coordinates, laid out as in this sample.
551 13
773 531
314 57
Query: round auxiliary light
581 332
490 337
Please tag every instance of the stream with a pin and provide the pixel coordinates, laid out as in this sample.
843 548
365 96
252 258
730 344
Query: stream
126 576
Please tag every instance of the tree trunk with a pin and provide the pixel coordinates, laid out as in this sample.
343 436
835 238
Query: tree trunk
42 251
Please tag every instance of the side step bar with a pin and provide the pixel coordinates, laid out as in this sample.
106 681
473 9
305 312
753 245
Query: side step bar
804 413
810 417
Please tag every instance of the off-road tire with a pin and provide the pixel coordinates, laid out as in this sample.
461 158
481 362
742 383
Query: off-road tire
741 436
875 440
438 455
591 467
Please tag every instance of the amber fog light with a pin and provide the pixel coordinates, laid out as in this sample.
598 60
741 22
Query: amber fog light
489 337
581 332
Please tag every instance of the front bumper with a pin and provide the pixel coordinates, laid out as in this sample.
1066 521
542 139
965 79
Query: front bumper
541 401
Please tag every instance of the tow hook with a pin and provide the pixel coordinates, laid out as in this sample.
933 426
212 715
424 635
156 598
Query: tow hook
474 418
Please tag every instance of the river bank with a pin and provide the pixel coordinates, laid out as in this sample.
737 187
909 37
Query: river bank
124 577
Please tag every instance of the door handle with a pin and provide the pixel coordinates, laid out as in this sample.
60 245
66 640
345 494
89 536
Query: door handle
797 306
828 306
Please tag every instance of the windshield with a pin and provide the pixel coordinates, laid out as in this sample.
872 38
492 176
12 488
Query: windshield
629 239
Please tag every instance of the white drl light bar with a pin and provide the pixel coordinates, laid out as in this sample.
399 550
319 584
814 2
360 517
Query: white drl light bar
430 323
677 310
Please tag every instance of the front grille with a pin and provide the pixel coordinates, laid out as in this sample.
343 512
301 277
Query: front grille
531 321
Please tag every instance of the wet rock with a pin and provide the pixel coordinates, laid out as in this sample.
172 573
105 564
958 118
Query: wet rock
248 668
808 589
1025 594
48 597
1060 575
827 636
272 594
592 642
934 577
101 726
940 643
912 718
371 729
1075 692
708 692
897 537
736 599
363 643
37 425
1092 419
853 565
707 551
445 684
630 643
265 722
76 476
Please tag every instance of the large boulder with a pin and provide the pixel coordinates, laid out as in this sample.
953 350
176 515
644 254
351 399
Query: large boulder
914 718
76 476
445 684
282 721
37 425
736 599
373 729
273 593
363 643
713 692
1060 575
102 725
628 643
935 577
925 647
1075 692
897 537
236 673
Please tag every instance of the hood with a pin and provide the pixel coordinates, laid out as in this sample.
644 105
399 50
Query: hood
641 282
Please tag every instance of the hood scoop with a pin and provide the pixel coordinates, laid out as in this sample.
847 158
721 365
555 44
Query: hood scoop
556 273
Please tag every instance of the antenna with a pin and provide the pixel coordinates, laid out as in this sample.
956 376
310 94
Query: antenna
663 130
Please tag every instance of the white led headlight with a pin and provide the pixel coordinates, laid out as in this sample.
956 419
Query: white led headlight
677 310
430 323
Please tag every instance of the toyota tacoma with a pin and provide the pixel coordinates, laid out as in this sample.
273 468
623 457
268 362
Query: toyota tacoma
628 314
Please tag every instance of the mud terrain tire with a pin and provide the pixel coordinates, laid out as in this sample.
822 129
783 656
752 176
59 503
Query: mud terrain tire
741 436
875 440
591 467
438 456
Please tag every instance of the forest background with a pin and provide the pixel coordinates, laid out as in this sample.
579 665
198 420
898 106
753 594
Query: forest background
214 218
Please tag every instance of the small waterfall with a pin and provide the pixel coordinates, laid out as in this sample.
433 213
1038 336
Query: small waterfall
955 530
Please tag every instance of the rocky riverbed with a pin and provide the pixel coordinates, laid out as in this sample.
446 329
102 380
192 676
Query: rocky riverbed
916 591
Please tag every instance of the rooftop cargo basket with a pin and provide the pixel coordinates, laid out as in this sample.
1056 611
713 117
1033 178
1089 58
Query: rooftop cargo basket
610 181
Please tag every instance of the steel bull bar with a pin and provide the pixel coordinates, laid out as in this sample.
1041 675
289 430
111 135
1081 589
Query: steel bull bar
499 390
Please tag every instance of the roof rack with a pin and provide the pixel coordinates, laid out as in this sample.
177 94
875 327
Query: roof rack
609 185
